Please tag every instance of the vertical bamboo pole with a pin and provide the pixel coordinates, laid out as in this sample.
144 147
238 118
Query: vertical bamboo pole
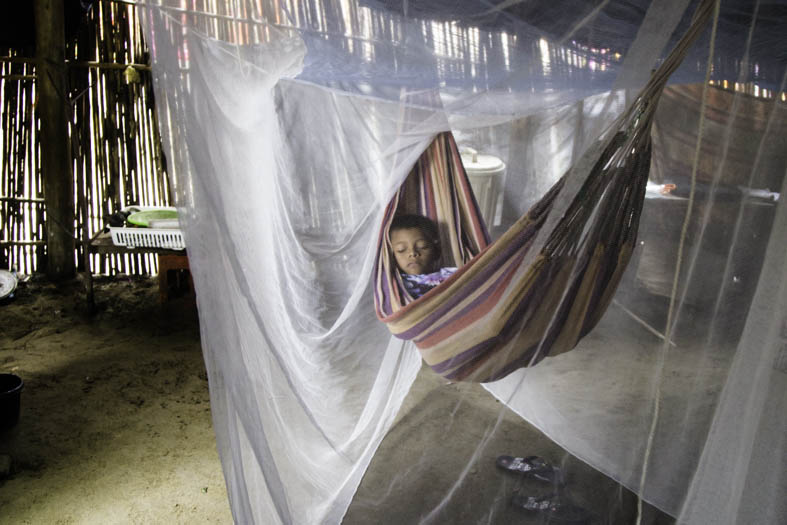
13 184
5 166
97 160
35 173
26 165
85 216
58 189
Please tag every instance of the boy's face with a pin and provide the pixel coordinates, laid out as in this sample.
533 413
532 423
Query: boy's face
415 253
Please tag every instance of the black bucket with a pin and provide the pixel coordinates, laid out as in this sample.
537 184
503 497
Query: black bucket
10 393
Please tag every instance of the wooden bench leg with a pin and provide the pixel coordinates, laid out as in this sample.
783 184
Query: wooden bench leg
165 264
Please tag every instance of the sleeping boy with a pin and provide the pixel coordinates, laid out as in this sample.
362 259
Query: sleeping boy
416 245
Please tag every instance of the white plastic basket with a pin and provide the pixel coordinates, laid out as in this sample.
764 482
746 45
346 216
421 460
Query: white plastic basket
169 239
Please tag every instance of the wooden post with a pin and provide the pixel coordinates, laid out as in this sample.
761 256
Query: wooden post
55 158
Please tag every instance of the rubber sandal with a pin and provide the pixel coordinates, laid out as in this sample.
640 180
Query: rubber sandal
553 508
532 466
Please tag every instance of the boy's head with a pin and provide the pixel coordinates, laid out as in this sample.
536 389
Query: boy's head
416 244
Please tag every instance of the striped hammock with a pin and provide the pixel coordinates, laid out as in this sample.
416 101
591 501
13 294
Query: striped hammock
494 316
497 314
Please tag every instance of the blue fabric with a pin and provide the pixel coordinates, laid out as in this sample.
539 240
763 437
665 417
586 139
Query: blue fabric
419 284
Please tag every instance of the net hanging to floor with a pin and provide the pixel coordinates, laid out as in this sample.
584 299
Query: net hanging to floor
291 128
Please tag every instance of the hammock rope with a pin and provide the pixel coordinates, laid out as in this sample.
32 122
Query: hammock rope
496 314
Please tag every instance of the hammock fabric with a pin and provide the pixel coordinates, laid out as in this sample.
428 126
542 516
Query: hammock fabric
494 315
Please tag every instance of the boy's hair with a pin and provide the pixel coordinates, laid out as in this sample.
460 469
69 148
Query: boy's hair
425 224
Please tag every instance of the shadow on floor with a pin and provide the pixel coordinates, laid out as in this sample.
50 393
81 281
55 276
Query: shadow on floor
437 465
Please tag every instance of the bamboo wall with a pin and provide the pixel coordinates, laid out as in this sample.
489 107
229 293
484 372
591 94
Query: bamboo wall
115 142
114 136
21 194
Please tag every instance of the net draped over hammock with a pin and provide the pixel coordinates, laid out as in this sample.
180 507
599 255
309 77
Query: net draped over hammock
493 315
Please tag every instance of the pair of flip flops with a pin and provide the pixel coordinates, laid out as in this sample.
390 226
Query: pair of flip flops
532 466
554 507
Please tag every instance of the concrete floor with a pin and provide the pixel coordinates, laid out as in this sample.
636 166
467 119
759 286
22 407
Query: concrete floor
447 432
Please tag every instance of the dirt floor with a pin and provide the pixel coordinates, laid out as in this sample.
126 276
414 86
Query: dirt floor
115 427
115 420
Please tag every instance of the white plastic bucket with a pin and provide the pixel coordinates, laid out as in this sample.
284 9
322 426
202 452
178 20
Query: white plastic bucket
485 173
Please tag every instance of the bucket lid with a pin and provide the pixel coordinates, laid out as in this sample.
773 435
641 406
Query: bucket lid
482 164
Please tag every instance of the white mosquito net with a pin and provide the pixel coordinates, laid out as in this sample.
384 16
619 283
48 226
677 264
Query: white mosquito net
289 126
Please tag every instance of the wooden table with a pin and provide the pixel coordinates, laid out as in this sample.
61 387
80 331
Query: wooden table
101 243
